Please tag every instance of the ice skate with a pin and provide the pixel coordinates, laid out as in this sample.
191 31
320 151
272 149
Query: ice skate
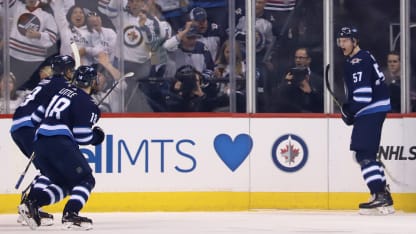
380 204
74 221
46 219
30 214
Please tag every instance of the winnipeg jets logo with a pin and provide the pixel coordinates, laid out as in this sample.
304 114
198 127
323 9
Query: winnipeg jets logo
132 36
28 21
355 61
289 153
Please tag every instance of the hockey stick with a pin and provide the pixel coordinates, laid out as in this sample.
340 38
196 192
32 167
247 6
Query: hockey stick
396 181
328 87
19 181
128 75
75 52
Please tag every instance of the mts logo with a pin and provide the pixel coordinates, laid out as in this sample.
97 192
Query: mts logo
161 154
397 153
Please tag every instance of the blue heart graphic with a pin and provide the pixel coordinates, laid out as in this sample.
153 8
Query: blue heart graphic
233 153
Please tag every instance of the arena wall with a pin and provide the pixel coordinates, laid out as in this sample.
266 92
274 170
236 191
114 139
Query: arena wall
197 162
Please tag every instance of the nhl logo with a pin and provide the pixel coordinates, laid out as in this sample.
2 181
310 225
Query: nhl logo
290 153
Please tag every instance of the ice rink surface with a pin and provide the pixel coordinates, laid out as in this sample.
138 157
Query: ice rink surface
273 221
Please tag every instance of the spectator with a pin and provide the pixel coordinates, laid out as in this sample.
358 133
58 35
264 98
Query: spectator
263 29
186 92
223 67
33 31
103 39
155 85
174 12
8 86
185 49
392 71
107 77
296 95
141 32
211 34
279 9
223 70
300 28
303 60
72 28
217 11
159 55
91 6
392 75
264 38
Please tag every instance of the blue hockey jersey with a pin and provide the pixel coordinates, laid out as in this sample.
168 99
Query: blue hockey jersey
42 93
366 91
72 113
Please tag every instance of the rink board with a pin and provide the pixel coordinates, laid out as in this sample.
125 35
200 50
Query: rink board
228 162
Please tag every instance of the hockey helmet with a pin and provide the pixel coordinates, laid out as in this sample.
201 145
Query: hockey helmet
348 32
85 76
61 63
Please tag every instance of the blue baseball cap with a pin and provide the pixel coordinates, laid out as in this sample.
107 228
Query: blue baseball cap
198 14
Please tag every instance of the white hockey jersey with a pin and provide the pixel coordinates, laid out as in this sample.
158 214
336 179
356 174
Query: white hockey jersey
31 49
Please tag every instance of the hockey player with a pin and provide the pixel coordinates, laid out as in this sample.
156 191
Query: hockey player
68 122
23 129
367 102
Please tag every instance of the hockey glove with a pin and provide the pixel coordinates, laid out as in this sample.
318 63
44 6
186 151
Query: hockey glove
98 136
347 116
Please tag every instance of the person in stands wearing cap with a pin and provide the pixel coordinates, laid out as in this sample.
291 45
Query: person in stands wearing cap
212 34
217 10
184 48
189 51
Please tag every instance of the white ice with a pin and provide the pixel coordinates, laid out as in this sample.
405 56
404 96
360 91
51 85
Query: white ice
249 222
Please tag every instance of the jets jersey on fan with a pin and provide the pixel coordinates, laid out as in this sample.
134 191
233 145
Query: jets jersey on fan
42 93
71 112
23 47
365 88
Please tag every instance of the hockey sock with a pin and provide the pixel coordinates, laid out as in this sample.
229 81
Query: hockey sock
47 196
373 175
79 196
38 184
383 176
